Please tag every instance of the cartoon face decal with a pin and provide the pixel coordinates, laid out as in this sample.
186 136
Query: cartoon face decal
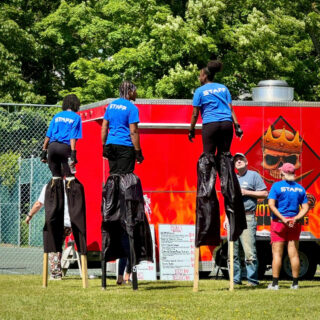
280 146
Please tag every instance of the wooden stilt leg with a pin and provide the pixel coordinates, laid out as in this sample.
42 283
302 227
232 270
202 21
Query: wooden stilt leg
103 276
231 269
45 270
196 270
84 271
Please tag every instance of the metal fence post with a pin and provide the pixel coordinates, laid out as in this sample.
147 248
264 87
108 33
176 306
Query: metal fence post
31 183
19 203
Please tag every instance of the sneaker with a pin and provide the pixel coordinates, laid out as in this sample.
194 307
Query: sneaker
251 284
54 277
127 282
271 287
294 287
237 283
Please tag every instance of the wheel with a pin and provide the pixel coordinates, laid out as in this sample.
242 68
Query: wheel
225 273
261 270
204 274
308 266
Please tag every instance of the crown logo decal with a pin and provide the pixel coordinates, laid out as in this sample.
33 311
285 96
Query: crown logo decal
282 143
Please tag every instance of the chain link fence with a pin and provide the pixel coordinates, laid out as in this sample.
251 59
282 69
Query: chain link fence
22 176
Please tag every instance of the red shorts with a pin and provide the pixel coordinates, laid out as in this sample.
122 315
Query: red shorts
280 232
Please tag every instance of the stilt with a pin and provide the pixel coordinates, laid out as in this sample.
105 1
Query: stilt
45 270
104 273
196 270
231 270
134 278
84 268
134 267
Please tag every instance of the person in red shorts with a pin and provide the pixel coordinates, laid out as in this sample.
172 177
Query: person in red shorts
288 203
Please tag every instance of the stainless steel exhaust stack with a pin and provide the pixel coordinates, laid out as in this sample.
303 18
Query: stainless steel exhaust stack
272 90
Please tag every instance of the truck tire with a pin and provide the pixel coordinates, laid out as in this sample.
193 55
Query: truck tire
225 273
204 274
308 266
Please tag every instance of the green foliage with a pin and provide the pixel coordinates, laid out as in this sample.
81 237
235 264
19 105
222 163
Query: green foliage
50 48
9 167
23 131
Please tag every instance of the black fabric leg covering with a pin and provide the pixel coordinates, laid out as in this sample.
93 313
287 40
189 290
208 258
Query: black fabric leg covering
112 227
77 211
207 204
231 191
137 225
295 281
275 281
123 211
53 230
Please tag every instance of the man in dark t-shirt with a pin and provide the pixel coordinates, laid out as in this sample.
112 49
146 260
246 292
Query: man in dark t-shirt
252 189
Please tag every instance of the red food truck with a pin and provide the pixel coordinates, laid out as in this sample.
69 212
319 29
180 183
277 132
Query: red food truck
274 132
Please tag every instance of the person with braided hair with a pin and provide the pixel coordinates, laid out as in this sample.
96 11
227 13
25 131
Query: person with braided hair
59 145
125 229
60 142
213 101
119 132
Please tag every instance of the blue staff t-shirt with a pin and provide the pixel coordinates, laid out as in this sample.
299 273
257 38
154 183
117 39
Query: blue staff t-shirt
64 126
120 113
288 195
213 100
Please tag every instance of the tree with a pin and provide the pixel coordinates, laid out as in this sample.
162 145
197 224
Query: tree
50 48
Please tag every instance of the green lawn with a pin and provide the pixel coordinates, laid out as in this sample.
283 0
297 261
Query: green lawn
22 297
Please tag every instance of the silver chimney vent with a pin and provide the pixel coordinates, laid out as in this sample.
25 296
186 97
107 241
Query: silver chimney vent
272 90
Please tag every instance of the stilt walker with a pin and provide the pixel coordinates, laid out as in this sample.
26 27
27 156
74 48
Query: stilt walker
59 145
124 217
213 100
125 229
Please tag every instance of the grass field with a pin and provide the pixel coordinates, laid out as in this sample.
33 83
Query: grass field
22 297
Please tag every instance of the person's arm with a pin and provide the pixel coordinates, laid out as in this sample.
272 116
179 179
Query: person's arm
45 143
135 138
104 137
194 119
303 211
134 135
226 223
44 152
104 131
237 129
255 194
73 144
35 208
275 211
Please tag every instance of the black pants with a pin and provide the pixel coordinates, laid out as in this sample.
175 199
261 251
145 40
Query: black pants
58 154
217 137
121 159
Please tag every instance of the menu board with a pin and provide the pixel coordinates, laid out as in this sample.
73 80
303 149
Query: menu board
176 252
147 270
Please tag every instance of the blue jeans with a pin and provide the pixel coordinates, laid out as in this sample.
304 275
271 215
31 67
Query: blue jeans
248 242
125 261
